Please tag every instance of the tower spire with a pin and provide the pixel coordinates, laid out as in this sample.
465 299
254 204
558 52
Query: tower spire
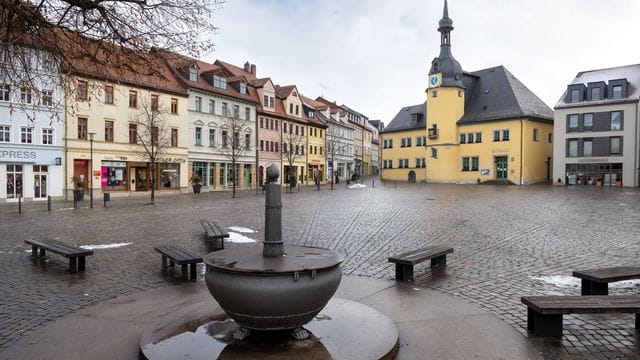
445 63
446 26
445 13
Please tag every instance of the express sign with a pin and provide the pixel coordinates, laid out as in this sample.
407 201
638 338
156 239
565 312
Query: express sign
17 155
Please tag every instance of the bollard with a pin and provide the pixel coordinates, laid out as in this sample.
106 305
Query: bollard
395 184
49 203
373 182
106 197
19 204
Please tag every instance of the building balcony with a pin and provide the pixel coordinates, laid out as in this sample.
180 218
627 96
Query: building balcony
432 133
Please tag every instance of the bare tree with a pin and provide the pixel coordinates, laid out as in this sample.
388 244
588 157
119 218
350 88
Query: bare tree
236 141
293 146
62 35
333 147
153 137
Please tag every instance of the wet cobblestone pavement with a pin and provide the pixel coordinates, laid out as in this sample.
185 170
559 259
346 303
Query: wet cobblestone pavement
509 241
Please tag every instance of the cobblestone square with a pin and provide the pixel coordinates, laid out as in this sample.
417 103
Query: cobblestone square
509 241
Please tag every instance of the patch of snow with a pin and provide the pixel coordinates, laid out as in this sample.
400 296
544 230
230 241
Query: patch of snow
357 186
235 237
65 209
623 204
565 281
241 229
104 246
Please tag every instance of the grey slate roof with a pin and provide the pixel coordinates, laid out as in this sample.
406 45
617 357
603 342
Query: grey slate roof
405 120
629 72
495 94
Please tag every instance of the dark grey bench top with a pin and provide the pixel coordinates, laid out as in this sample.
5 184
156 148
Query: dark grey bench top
598 304
420 255
179 255
213 229
607 275
59 247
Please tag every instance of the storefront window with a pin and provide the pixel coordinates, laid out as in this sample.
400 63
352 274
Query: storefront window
14 181
212 174
200 169
223 169
40 174
169 176
114 174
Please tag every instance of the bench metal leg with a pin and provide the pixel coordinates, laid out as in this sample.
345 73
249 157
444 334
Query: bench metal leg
594 288
440 261
42 252
81 263
193 271
404 272
73 264
34 251
164 261
184 271
544 325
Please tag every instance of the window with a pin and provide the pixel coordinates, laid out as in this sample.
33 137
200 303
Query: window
421 140
83 90
573 122
276 149
261 145
219 82
420 163
271 102
82 128
265 101
536 135
198 136
587 147
5 91
25 95
573 148
615 146
262 122
302 130
26 135
225 109
505 135
616 120
470 138
225 139
587 122
595 93
154 135
387 143
154 103
284 128
434 93
247 141
550 138
496 135
247 115
296 129
133 133
475 163
320 150
243 88
212 106
463 138
47 97
174 137
133 99
272 125
616 92
290 108
193 74
212 137
108 131
236 111
297 109
108 94
174 105
575 95
465 164
434 153
478 137
198 103
284 148
47 136
5 133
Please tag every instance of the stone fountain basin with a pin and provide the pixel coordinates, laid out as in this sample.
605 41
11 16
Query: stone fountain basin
273 293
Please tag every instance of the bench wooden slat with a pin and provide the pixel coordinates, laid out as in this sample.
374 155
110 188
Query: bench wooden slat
60 248
583 304
607 275
179 255
213 230
420 255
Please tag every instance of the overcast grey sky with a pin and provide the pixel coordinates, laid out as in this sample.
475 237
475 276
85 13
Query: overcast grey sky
374 55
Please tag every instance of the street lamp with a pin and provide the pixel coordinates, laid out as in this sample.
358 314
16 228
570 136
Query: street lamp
91 135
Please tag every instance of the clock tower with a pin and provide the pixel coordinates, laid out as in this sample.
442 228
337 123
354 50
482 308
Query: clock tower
444 107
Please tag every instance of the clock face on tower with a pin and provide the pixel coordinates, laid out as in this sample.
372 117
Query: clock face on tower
434 80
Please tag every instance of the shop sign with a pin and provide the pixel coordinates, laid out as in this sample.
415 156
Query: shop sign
97 173
593 160
114 164
500 151
484 171
171 160
17 155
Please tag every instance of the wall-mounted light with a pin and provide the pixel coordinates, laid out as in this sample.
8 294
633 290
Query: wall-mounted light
58 161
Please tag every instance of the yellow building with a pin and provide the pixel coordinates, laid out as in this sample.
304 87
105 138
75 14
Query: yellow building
403 151
480 126
107 115
316 152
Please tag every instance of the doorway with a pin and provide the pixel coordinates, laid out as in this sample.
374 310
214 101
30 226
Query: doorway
502 167
40 173
412 176
141 178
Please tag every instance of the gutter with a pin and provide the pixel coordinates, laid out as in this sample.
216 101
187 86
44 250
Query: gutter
66 147
521 149
635 157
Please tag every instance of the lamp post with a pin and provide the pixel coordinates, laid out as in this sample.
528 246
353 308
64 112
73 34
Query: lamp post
91 135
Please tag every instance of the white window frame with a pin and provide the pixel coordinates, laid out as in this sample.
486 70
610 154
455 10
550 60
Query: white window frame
47 136
26 133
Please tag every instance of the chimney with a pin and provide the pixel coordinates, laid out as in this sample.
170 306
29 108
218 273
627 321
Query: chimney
253 69
246 66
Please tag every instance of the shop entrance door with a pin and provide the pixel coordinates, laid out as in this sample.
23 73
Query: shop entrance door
141 179
502 169
40 181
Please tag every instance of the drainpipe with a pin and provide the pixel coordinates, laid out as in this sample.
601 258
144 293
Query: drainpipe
635 158
66 147
521 149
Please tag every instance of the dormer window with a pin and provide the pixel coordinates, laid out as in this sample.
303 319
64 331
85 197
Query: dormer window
193 74
616 92
219 82
243 88
575 95
595 94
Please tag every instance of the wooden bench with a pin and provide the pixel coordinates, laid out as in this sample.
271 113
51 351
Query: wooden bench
544 313
405 261
74 253
180 256
596 281
214 232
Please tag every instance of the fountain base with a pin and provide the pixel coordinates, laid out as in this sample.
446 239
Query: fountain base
344 329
